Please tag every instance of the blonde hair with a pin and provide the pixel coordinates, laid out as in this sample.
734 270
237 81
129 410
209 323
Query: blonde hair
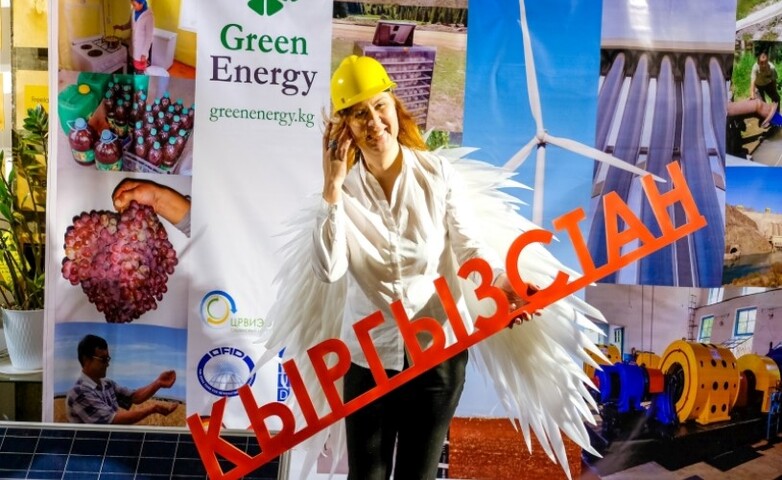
409 133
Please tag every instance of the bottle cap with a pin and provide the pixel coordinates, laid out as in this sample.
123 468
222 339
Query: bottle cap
80 124
84 89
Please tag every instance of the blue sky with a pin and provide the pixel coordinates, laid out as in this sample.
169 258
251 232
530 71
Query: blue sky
138 354
566 39
755 188
566 44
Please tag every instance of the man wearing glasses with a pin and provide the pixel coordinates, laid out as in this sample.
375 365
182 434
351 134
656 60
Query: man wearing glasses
96 399
764 78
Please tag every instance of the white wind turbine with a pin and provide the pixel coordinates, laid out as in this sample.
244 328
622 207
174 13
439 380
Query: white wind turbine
542 137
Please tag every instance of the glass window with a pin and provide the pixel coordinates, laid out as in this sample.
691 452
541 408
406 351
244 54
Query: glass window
715 296
751 290
707 322
745 321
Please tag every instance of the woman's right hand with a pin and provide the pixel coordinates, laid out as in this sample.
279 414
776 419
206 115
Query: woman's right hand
335 165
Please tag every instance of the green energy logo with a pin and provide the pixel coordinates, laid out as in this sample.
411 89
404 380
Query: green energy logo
267 7
216 308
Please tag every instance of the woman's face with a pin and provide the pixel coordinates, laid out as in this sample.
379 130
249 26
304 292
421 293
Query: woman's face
137 6
374 123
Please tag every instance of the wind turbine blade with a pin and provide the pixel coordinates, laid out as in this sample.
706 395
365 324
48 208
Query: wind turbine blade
600 156
537 193
529 65
517 159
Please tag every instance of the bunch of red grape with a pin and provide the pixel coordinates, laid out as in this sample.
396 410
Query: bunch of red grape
121 260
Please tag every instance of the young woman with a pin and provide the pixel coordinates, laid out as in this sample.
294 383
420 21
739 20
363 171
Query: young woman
391 219
394 218
142 25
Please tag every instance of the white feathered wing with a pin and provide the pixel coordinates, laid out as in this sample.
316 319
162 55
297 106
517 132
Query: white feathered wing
536 368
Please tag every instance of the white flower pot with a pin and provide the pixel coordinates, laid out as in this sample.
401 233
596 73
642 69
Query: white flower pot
24 338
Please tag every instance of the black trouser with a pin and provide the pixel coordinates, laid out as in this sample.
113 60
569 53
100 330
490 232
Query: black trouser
416 416
769 90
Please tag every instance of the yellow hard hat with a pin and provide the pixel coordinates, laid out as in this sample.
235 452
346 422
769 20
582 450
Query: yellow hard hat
358 79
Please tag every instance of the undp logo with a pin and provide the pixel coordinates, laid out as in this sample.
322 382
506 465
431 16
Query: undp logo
267 7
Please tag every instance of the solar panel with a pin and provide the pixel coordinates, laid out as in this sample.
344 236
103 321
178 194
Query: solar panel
48 451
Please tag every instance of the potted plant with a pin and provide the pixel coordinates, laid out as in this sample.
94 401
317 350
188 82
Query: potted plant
22 240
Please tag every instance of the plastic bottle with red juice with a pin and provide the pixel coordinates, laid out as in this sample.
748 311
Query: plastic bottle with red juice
141 149
181 138
164 134
121 119
108 152
141 105
176 123
108 101
151 138
170 155
138 130
170 114
155 155
187 122
165 101
82 139
149 123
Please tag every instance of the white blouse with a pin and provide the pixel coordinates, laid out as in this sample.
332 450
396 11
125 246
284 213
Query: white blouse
395 250
142 31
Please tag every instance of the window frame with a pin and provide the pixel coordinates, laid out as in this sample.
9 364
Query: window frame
701 337
737 319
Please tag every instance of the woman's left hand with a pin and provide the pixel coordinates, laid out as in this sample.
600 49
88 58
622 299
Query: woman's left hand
514 300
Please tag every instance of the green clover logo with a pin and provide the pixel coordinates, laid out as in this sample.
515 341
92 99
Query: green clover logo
267 7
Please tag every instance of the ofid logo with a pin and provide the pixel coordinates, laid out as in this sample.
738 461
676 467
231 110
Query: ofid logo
222 370
267 7
218 310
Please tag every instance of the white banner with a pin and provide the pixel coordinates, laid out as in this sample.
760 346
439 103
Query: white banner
261 85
